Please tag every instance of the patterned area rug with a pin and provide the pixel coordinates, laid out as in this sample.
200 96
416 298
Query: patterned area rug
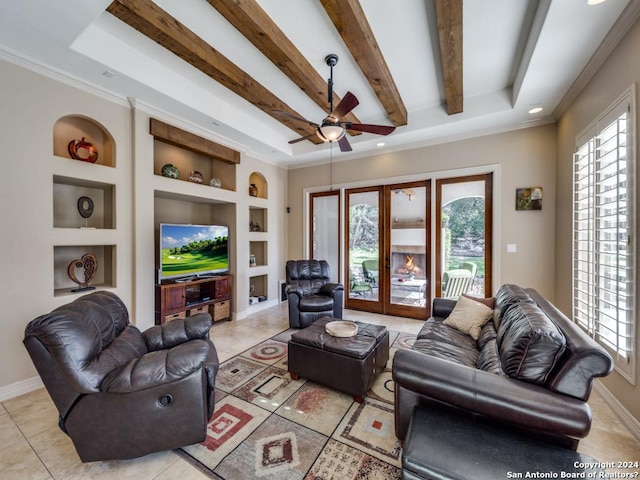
268 426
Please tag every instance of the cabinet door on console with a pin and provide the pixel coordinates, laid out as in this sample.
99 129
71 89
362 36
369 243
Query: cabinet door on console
222 288
173 297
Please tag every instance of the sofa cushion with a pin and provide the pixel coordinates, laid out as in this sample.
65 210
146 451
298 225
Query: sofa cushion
487 333
489 359
529 343
507 296
435 330
469 316
462 354
316 303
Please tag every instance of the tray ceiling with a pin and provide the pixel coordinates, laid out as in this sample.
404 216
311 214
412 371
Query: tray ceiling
437 69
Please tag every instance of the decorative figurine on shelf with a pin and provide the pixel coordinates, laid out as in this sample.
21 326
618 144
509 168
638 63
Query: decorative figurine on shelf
252 260
170 171
195 176
82 150
85 209
89 264
254 227
215 182
253 190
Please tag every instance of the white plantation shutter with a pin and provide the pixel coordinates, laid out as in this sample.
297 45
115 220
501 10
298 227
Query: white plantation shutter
603 240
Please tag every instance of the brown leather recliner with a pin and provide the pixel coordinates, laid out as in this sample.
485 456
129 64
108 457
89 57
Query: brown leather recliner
311 293
121 393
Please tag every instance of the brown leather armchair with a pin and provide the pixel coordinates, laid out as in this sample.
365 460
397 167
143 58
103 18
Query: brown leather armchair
121 393
311 293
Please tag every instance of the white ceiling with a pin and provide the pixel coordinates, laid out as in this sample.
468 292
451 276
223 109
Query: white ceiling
516 53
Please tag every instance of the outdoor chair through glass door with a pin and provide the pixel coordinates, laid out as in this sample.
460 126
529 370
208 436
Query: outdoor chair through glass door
464 242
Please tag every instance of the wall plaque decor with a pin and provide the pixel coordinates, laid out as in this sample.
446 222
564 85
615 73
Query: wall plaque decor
529 198
89 266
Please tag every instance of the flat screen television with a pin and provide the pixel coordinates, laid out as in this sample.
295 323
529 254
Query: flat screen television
193 250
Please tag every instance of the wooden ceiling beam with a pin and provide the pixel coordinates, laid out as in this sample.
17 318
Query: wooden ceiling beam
351 22
153 22
449 21
253 22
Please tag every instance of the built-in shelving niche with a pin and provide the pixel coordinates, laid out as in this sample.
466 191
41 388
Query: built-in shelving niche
194 157
76 127
257 179
63 256
259 251
259 286
68 192
258 220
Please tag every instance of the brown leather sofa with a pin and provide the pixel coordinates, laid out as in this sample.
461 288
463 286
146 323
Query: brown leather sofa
121 393
311 294
531 369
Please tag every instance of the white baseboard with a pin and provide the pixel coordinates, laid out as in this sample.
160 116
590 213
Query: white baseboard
623 414
20 388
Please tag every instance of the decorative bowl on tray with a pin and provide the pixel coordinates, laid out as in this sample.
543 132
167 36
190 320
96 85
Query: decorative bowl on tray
341 328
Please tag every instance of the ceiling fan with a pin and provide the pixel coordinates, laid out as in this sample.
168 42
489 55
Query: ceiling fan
332 129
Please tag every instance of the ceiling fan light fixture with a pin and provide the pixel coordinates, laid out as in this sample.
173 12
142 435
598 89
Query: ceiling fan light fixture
330 133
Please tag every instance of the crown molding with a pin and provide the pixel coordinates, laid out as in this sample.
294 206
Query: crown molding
36 66
620 28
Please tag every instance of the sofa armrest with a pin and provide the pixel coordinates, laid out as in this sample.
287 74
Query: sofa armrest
175 332
494 396
442 307
331 289
294 290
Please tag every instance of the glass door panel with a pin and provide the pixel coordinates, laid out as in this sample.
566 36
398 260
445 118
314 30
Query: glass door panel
463 244
325 230
363 240
407 258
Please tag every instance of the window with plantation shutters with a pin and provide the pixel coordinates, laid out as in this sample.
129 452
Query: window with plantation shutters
603 232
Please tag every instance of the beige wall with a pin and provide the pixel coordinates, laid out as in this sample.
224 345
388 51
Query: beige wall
521 158
30 105
621 69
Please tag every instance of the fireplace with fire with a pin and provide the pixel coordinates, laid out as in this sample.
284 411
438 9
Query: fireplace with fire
408 261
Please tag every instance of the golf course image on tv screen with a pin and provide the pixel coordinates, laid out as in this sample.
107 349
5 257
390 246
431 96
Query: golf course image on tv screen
193 249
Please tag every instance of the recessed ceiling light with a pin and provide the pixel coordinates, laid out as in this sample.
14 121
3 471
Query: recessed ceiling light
595 2
216 123
380 144
535 109
108 73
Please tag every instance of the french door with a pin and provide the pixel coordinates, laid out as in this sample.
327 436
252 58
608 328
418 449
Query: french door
325 230
464 239
387 264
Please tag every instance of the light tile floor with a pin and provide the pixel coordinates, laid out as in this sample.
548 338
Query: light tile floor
33 447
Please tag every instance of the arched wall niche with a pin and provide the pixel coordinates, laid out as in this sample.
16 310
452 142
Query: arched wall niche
75 127
257 179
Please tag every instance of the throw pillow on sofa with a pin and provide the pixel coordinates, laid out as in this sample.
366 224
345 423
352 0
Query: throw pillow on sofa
468 316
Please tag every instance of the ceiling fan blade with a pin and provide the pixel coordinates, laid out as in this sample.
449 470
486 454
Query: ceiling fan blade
368 128
348 103
295 117
307 137
345 146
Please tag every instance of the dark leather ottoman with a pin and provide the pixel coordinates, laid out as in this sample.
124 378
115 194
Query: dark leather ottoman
441 445
347 364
